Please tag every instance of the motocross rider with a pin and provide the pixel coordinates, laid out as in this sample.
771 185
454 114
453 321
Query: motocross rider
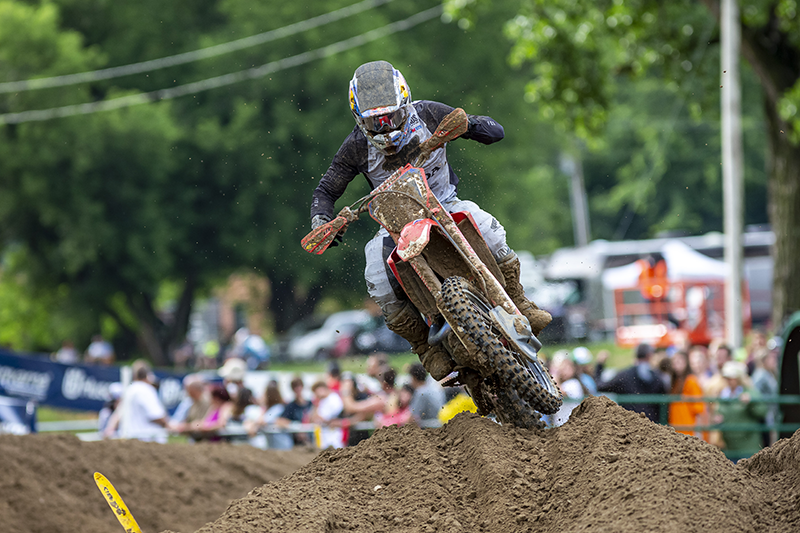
389 130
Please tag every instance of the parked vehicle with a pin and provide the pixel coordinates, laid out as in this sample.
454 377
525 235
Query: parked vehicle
320 343
377 337
448 273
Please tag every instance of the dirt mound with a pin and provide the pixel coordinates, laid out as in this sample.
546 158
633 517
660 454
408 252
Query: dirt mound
46 482
607 469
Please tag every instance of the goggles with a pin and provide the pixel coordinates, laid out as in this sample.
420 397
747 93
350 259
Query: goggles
387 122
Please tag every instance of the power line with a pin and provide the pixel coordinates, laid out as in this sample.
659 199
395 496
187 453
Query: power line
189 57
222 81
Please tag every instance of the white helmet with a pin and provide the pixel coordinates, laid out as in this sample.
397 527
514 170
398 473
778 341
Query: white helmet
380 101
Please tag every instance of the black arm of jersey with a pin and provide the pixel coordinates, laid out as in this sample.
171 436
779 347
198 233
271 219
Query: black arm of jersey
351 159
483 129
349 162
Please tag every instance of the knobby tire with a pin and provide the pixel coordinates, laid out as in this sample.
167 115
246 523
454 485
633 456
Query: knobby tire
517 392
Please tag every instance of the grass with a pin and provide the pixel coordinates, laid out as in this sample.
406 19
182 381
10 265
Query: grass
53 414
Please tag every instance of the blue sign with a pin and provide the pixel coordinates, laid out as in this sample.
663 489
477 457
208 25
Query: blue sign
17 417
80 387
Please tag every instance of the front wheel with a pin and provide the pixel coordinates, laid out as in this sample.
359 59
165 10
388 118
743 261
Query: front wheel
512 379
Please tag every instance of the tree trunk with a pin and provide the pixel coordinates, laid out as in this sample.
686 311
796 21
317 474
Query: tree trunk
784 214
176 333
288 304
776 61
151 342
156 337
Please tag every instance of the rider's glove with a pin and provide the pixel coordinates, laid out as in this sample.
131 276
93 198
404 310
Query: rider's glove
320 220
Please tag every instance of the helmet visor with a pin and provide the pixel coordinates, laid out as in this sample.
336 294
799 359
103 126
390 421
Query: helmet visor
386 122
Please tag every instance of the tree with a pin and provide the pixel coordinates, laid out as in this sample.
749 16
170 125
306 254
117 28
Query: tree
575 52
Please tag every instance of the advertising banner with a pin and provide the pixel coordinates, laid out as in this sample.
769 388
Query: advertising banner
17 417
80 387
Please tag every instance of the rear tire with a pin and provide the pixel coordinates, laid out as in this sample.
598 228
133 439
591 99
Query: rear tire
515 385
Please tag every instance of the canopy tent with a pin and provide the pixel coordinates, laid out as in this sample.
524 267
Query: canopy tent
683 263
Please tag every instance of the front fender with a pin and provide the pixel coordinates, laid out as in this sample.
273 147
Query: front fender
414 238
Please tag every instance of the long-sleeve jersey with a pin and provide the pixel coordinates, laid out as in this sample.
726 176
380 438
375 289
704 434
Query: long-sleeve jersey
358 156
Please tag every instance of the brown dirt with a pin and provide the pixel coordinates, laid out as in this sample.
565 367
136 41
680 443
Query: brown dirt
47 484
606 470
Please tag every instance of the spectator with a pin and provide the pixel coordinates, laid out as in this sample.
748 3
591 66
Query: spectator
713 387
765 382
260 417
357 393
699 365
296 411
391 399
104 416
738 443
244 401
756 348
428 398
251 348
67 354
194 405
374 404
637 379
217 416
684 383
377 364
716 383
233 373
400 413
99 352
334 377
582 358
565 374
325 412
141 413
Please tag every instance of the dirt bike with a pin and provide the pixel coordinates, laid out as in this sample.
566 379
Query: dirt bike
447 271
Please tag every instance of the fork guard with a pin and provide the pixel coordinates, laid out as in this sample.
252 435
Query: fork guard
517 330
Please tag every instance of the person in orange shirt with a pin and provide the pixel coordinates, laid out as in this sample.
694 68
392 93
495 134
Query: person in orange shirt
686 384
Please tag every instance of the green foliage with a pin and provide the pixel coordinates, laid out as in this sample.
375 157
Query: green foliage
638 83
123 214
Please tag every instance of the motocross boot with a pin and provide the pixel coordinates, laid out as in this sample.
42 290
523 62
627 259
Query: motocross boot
539 318
408 323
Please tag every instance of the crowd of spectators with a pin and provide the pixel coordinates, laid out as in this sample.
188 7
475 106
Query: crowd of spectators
340 409
98 352
697 374
324 413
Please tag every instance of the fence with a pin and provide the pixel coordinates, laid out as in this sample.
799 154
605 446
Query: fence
664 400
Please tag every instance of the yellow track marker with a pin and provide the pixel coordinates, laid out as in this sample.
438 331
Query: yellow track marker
117 505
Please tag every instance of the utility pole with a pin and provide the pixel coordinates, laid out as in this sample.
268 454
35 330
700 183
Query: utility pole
573 167
732 168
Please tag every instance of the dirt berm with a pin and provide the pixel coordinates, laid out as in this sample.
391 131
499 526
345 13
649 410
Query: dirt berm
607 469
47 483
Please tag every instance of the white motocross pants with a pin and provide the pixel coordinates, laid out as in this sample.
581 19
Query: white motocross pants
381 283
